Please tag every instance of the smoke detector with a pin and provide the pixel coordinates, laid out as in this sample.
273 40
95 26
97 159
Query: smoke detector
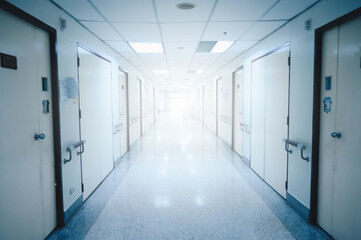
186 6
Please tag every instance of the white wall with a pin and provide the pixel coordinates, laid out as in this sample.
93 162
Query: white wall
301 84
67 41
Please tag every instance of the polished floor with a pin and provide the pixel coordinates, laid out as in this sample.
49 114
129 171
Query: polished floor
181 182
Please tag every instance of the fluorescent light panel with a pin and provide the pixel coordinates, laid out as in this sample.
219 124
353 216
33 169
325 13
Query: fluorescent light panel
147 47
221 46
199 71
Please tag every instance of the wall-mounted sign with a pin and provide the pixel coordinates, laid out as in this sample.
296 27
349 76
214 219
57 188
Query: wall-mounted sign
8 61
327 104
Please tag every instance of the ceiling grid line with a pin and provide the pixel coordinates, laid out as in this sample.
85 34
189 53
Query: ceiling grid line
161 35
204 30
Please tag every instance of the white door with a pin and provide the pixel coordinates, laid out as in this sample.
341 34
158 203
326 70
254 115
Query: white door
123 113
239 126
339 211
27 175
96 119
270 80
276 113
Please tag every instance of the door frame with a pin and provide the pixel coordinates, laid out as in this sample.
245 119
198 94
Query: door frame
127 103
153 104
203 104
234 100
140 107
217 104
17 12
317 106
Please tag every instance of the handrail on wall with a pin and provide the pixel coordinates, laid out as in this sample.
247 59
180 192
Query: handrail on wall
244 127
297 145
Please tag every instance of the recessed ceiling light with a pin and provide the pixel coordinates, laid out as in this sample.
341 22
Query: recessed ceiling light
199 71
160 71
147 47
193 79
186 6
221 46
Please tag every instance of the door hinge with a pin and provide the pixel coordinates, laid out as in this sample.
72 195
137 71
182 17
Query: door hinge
78 60
288 120
82 187
79 113
289 61
286 185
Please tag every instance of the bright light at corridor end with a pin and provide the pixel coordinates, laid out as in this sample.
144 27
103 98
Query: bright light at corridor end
221 46
147 47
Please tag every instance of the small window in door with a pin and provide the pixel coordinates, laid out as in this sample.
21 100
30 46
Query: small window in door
328 83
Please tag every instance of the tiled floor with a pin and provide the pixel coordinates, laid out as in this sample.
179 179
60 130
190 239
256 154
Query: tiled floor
180 182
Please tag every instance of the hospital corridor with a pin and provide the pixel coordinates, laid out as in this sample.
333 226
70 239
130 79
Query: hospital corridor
180 120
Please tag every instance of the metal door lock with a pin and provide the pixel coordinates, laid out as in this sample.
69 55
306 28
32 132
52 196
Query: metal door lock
336 135
37 136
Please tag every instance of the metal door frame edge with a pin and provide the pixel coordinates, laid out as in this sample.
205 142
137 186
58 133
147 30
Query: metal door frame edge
317 107
17 12
233 100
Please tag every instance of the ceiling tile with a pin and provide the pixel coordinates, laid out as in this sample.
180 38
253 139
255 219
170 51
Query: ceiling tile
286 9
173 47
206 57
152 57
168 11
228 56
157 65
241 46
139 32
179 32
130 56
126 11
80 9
180 57
103 30
234 30
140 65
120 46
261 30
239 10
204 60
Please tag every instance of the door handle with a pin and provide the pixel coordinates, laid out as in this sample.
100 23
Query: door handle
336 135
37 136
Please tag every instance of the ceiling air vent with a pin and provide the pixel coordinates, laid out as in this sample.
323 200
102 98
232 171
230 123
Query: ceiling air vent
206 46
186 6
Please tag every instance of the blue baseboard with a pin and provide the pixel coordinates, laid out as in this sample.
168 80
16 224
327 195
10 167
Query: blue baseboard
70 212
246 160
301 209
117 161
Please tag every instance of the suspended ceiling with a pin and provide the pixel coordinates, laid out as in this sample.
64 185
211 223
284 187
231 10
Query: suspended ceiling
245 22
